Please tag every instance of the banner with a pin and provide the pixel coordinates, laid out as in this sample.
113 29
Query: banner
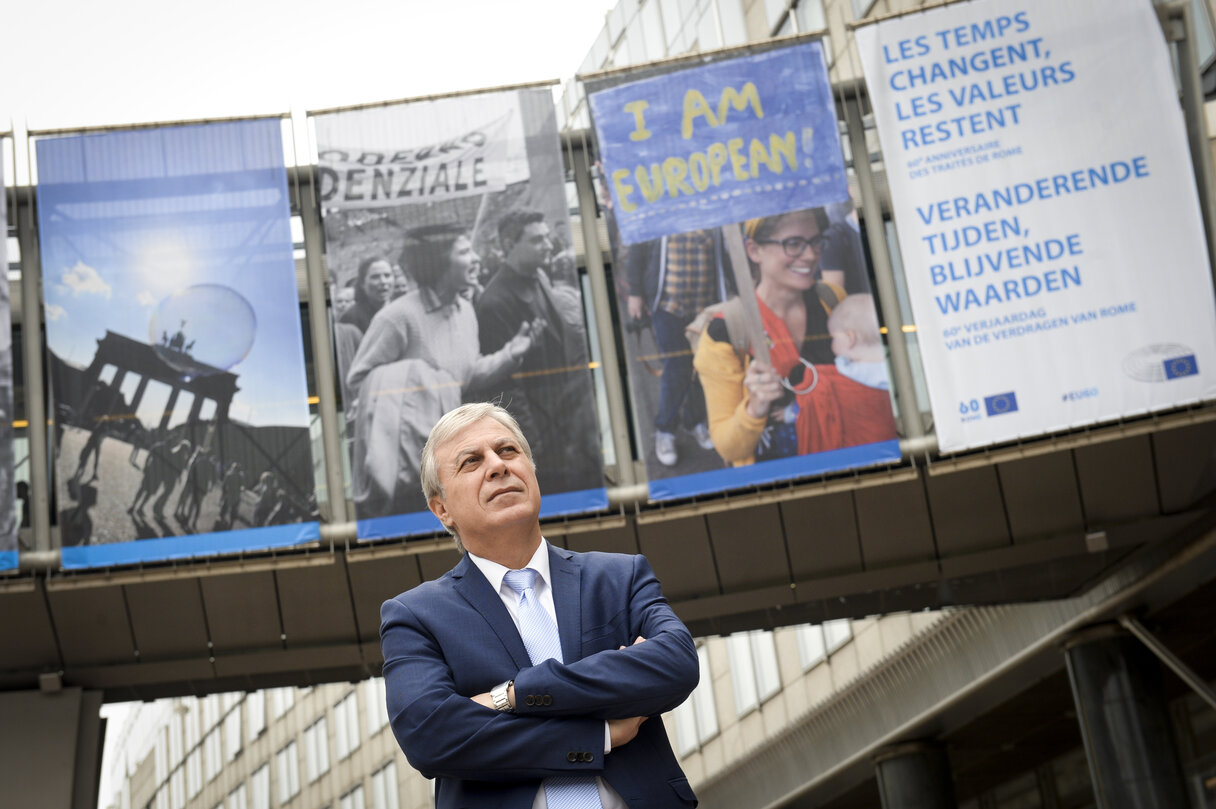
449 246
689 148
1047 213
10 518
174 340
754 346
466 164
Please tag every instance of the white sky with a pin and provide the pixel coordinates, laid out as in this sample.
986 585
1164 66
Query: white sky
76 63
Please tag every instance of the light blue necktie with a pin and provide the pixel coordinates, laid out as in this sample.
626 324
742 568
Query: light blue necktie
539 634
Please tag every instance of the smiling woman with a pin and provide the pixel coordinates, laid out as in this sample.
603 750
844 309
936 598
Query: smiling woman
751 404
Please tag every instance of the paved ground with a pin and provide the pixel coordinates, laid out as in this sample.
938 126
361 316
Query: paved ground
94 511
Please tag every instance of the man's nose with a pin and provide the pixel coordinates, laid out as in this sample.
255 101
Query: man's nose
495 465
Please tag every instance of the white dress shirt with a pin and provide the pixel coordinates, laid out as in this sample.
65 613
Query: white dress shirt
495 573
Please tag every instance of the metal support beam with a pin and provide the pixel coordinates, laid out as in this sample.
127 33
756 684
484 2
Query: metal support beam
1197 137
322 352
35 385
901 364
1171 661
617 412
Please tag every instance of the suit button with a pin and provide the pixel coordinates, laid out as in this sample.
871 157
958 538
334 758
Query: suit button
529 700
572 757
588 757
547 700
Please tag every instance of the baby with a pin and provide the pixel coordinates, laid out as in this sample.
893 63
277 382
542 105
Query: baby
850 404
856 342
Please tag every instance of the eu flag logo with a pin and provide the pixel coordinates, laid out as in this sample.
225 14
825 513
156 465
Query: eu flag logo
1001 403
1181 366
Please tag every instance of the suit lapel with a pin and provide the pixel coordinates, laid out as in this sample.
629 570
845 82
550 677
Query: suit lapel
566 573
473 587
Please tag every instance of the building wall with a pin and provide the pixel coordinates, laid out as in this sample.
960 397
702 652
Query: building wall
170 758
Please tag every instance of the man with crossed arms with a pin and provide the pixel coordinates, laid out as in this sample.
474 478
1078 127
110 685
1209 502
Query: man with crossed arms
524 676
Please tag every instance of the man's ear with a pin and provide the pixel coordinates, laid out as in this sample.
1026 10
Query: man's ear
441 511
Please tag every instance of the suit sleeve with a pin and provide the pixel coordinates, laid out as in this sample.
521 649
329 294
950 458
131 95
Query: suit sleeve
444 733
644 679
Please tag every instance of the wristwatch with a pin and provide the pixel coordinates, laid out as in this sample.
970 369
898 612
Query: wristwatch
501 700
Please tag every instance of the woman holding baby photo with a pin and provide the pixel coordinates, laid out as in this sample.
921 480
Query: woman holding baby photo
826 384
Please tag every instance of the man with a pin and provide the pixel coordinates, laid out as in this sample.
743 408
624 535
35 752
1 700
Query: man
476 702
674 278
551 393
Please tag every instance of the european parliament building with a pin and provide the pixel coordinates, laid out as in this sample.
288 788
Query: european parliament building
1016 624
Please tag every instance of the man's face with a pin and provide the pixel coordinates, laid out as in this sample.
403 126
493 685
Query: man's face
533 249
488 484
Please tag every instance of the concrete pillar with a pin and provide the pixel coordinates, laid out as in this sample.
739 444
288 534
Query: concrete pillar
50 747
1125 724
915 776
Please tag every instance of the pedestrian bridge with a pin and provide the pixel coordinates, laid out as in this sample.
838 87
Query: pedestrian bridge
1042 519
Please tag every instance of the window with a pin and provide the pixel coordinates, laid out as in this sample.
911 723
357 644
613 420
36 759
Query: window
697 717
734 29
162 755
236 798
353 799
775 11
190 715
384 787
316 750
288 765
259 788
753 669
281 700
811 649
255 706
346 718
177 789
211 712
211 755
232 733
194 773
175 739
861 8
837 633
374 702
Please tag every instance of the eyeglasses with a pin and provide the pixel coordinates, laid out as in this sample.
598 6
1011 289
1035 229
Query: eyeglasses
795 245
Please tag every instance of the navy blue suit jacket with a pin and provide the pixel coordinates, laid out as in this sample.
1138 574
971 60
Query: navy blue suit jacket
449 639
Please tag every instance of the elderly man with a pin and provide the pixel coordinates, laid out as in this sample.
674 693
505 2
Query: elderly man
524 676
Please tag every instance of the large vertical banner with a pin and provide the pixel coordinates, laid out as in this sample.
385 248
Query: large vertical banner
175 348
1047 213
754 344
10 517
448 238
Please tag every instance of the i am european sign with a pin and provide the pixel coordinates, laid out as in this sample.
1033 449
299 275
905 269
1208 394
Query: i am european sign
717 143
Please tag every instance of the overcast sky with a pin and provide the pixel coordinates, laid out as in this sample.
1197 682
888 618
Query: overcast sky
73 63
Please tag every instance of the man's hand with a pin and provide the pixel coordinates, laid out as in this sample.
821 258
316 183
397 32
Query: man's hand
622 731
